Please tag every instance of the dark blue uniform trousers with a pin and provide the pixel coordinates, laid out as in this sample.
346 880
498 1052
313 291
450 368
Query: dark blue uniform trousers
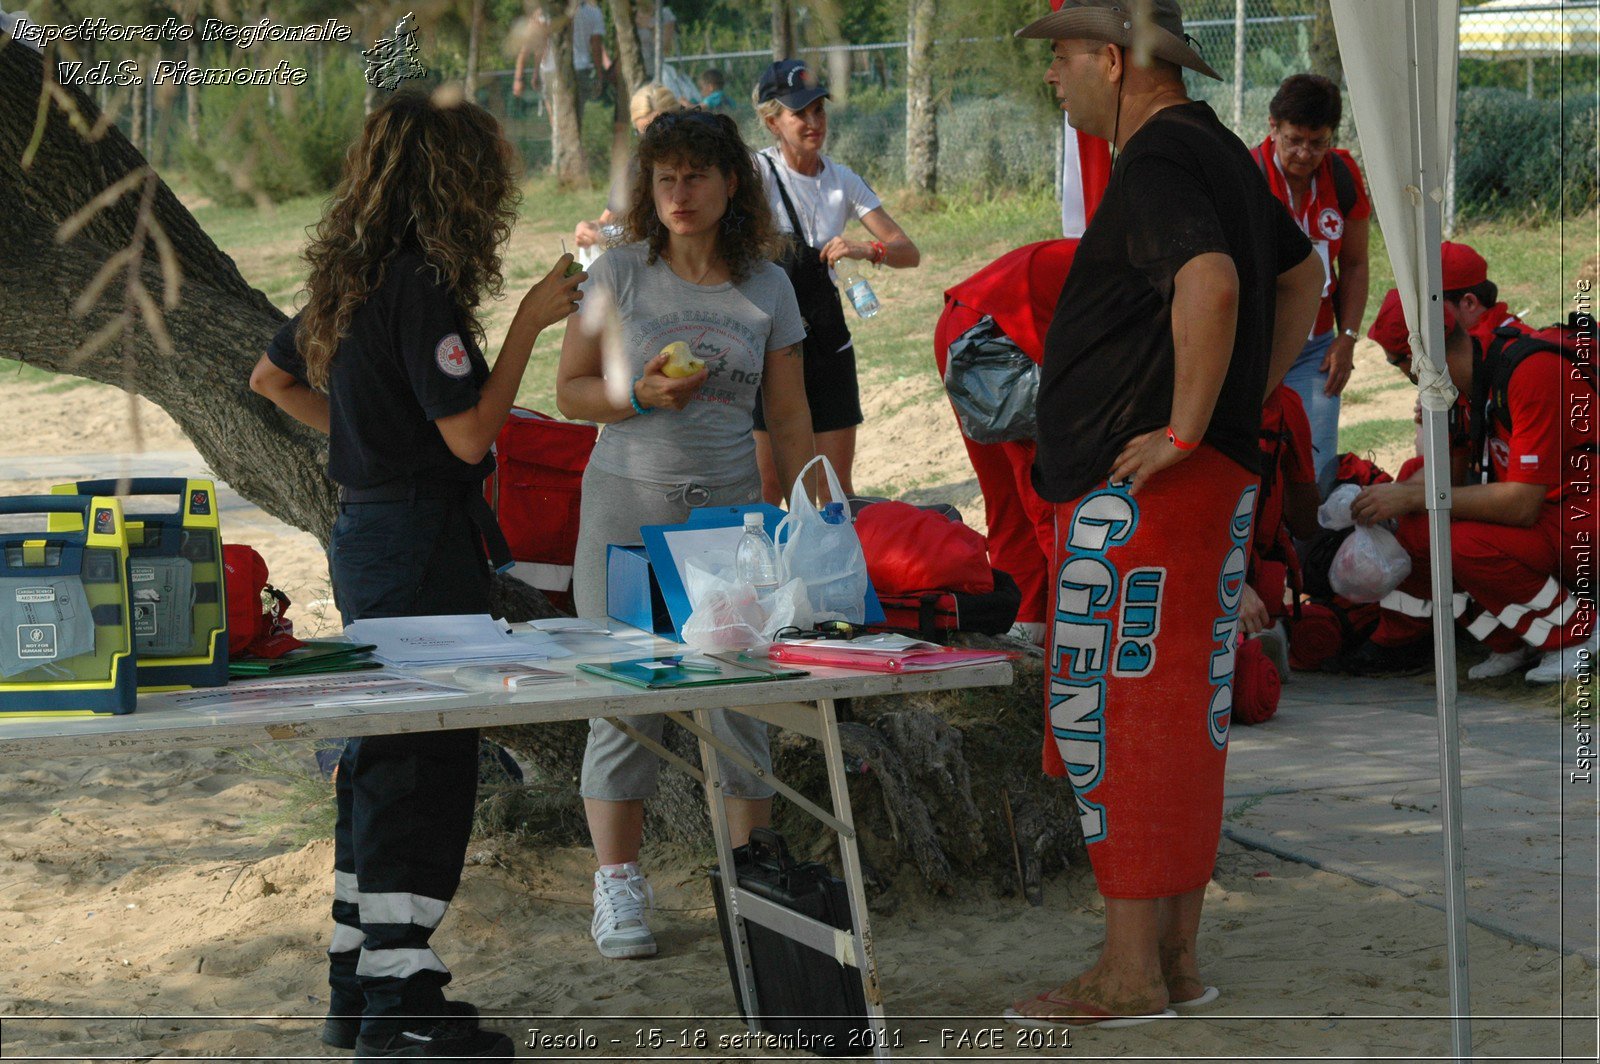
404 801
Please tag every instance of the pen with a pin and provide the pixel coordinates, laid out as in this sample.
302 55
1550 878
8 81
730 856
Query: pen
690 666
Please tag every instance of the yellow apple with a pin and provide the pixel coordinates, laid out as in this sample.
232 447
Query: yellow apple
680 363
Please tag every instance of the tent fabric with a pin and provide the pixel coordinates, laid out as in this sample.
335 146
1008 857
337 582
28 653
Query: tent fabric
1377 45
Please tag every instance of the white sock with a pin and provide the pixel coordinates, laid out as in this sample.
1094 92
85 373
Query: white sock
619 871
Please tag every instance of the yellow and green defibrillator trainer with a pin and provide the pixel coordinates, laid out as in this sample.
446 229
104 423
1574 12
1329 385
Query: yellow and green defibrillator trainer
66 638
175 578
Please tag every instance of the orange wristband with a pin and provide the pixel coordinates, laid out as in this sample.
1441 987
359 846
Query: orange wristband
1172 438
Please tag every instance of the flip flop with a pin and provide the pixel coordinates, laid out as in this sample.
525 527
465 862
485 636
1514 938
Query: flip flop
1081 1014
1211 994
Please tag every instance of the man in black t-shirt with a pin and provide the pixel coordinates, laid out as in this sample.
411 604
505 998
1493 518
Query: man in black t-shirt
1190 294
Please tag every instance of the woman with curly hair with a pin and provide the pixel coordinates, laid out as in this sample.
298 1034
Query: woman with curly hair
699 272
385 359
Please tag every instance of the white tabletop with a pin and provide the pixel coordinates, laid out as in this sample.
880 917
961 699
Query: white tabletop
159 726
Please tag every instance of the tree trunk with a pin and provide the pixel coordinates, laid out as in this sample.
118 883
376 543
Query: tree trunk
474 39
219 328
630 54
782 31
192 92
1325 46
561 99
922 128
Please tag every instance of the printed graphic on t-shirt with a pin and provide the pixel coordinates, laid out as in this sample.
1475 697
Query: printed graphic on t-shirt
731 352
451 357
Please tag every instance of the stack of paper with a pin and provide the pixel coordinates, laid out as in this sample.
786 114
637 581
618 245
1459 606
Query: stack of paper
430 642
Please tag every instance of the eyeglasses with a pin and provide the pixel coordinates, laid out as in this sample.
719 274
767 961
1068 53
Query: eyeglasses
823 630
1293 142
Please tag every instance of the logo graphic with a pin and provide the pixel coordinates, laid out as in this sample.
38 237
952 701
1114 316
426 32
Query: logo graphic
392 60
1331 223
36 641
1500 452
199 502
451 357
104 523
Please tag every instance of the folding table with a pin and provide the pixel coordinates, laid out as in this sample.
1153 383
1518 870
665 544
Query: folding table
804 705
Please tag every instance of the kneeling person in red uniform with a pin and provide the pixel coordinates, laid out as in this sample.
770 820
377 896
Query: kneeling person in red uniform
1514 536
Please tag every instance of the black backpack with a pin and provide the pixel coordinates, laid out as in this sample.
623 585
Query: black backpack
1573 340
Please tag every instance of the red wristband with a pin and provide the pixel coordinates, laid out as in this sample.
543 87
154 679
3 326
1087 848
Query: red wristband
1172 438
879 253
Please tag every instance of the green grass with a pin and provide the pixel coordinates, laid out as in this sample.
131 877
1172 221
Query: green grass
1364 437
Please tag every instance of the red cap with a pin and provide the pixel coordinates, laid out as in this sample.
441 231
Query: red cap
256 624
1463 267
1389 328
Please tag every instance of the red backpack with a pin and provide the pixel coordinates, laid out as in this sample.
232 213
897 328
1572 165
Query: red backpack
535 492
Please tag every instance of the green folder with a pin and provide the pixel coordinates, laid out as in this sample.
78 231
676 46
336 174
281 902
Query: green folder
315 657
655 673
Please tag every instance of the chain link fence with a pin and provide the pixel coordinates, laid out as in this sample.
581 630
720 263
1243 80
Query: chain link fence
1526 143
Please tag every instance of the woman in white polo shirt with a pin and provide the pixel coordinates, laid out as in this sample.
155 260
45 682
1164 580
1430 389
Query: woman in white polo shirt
814 197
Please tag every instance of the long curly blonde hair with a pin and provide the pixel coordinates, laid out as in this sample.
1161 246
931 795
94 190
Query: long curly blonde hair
432 176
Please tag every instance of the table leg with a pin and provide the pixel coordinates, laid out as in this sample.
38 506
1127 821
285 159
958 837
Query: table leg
716 804
850 856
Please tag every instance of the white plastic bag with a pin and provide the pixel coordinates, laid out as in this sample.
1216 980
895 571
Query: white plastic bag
826 557
1370 563
1334 513
729 615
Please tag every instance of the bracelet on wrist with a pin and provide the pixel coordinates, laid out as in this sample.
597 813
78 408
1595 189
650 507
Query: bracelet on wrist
880 253
633 396
1172 438
1351 333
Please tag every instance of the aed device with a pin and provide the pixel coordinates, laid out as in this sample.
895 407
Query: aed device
179 617
66 642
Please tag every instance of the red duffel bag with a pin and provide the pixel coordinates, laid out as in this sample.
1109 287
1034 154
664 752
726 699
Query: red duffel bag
909 550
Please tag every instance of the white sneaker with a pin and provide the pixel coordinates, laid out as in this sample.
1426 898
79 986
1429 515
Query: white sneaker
1028 632
1565 664
1498 664
619 926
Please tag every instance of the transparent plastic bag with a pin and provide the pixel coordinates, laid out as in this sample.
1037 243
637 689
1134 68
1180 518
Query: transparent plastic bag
1334 513
1370 564
826 557
728 615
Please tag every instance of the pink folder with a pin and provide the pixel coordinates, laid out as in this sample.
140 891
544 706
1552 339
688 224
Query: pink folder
913 660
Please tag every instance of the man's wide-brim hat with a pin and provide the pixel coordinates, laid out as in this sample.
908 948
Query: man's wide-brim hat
1112 21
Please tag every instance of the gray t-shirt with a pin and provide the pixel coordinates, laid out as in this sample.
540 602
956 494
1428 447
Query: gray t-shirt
729 327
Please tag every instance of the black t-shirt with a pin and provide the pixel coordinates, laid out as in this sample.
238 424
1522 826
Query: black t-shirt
1183 186
405 362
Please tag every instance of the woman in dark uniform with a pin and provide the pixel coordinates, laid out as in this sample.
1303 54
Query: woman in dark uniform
385 358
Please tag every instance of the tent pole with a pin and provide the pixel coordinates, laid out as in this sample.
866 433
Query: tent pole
1437 475
1423 28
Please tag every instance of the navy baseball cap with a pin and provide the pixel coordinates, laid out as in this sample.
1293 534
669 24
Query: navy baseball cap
791 84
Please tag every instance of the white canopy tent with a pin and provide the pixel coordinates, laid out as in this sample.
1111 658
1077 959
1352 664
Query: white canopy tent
1400 65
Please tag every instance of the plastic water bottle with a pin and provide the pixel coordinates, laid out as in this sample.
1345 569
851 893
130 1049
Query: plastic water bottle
833 513
755 560
860 292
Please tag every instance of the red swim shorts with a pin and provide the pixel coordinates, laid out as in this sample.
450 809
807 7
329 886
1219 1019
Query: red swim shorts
1139 688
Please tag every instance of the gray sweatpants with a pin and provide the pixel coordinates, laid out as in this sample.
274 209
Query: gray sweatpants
615 768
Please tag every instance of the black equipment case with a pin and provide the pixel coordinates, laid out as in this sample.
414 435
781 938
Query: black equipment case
807 999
